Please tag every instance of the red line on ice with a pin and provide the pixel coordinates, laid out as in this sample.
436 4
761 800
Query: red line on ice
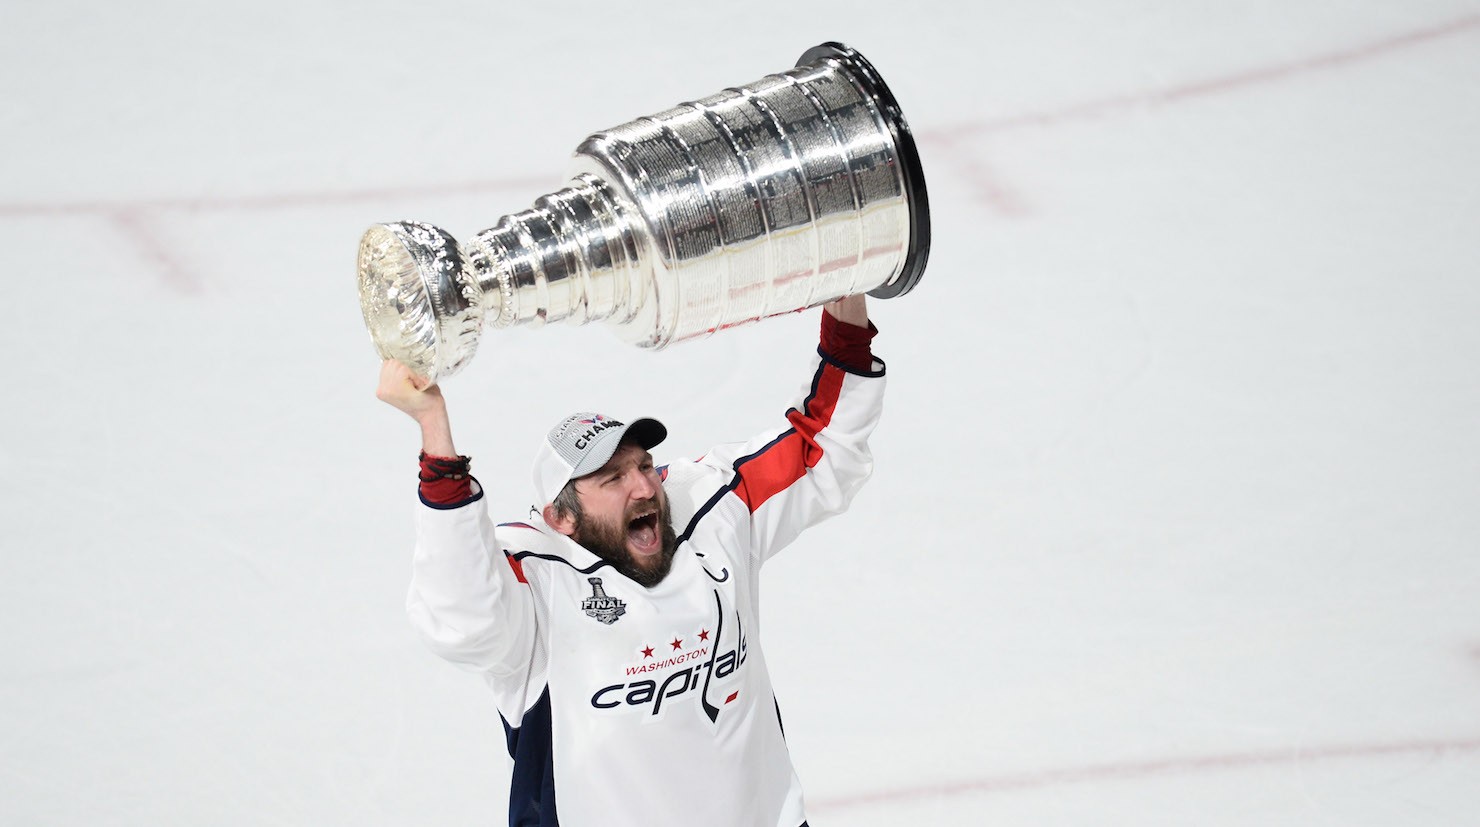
997 196
1102 107
1133 770
130 215
135 224
270 201
990 190
1075 112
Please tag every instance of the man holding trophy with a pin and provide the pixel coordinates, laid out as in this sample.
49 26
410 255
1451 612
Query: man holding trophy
616 627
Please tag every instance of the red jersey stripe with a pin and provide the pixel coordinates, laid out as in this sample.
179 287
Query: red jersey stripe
770 472
518 568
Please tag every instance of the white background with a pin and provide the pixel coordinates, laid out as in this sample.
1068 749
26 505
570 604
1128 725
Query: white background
1177 501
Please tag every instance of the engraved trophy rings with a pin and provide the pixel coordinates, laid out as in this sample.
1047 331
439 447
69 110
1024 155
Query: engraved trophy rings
782 194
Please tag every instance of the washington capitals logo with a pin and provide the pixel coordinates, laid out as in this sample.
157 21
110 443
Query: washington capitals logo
595 418
600 606
709 668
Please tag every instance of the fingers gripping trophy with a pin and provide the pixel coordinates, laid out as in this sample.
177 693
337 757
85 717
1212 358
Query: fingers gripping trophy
779 195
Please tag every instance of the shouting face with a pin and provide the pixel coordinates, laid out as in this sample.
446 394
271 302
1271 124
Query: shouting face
621 515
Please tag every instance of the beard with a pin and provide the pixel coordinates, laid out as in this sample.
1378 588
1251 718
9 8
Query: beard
608 540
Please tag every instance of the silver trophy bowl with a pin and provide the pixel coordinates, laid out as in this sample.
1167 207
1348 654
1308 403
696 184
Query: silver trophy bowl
768 198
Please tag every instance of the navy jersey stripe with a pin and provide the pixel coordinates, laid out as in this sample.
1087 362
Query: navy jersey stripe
523 554
736 479
731 485
532 785
450 506
826 357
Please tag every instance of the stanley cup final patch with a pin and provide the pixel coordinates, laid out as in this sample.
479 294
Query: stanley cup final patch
600 606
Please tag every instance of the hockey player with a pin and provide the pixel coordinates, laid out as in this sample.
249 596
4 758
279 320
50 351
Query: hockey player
618 628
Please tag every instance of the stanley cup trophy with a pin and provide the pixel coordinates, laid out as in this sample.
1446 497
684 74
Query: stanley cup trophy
780 195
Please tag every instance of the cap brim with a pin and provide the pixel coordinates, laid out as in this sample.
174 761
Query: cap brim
646 432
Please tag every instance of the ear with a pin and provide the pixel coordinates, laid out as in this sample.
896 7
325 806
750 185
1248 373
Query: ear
562 522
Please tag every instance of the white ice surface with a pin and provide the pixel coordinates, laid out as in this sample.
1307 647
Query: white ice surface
1177 511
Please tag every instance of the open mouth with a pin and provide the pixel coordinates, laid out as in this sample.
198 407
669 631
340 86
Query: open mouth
642 532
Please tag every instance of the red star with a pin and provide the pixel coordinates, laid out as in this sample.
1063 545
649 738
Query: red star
647 651
704 635
678 643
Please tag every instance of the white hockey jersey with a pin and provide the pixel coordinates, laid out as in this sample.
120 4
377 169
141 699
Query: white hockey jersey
647 706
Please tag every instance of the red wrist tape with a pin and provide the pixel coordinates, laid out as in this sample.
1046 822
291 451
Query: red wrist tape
445 480
848 344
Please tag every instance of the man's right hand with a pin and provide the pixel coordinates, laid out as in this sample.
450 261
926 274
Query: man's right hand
420 399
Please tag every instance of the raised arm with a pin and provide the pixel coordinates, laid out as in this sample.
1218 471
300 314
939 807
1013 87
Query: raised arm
849 310
810 467
467 602
421 400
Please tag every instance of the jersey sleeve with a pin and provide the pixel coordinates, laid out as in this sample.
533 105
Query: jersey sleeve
468 601
797 475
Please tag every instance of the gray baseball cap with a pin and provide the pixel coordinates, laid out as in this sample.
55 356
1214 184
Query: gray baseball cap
581 444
